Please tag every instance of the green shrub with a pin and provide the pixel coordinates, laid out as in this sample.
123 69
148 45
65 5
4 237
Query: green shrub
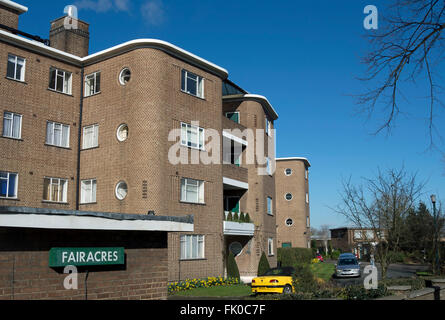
396 257
232 267
360 293
229 217
247 218
294 256
242 217
335 254
263 265
236 217
303 279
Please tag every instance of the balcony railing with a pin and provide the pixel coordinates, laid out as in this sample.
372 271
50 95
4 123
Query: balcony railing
238 228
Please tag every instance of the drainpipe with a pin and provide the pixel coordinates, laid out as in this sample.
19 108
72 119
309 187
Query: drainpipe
79 138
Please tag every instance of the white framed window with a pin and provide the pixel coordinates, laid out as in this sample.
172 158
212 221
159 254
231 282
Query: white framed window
12 125
88 191
124 76
16 68
270 249
57 134
90 136
288 196
289 222
60 81
288 172
55 189
307 197
268 166
92 84
234 116
8 185
192 247
192 83
192 136
308 222
306 174
192 190
269 206
121 190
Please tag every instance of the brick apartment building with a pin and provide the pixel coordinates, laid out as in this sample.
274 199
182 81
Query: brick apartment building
86 162
292 201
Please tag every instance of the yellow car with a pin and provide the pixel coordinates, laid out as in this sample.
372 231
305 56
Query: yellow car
276 280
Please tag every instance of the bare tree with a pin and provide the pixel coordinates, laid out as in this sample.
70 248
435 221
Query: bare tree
408 47
380 205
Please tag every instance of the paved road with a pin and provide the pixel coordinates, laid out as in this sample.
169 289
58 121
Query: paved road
394 271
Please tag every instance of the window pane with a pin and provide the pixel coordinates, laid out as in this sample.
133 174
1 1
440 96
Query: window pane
67 83
10 73
54 190
192 136
184 134
200 87
57 134
65 136
7 124
192 193
50 133
16 126
93 191
20 73
12 184
59 81
191 85
3 184
86 191
89 85
97 88
52 79
46 189
183 75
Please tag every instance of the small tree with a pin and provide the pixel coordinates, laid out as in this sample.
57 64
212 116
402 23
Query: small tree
236 217
229 216
247 218
242 217
263 265
232 267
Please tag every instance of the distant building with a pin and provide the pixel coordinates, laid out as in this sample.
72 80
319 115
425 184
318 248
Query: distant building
359 241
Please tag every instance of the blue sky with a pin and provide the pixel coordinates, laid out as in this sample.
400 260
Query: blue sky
304 56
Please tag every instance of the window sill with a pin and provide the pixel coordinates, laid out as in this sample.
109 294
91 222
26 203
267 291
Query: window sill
19 81
11 199
92 95
191 94
87 203
54 202
59 147
191 259
11 138
92 148
65 94
194 148
197 203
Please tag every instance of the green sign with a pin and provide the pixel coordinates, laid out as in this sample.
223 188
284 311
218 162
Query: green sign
61 257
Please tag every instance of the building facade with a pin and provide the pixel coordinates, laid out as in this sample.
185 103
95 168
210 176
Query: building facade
360 241
292 201
120 131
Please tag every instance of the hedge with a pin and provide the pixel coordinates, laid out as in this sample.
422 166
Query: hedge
294 256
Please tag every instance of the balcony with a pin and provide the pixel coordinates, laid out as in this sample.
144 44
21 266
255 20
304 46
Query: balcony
235 228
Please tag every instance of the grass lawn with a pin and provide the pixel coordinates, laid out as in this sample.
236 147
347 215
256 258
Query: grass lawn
323 270
239 290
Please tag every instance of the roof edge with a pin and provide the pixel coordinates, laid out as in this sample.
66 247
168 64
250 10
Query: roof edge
15 6
295 159
254 97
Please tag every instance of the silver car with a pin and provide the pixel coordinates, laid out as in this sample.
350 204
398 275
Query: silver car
347 267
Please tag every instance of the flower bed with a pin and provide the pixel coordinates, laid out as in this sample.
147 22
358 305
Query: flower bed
190 284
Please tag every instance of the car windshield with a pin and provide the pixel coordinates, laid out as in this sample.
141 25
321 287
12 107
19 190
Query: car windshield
285 271
347 262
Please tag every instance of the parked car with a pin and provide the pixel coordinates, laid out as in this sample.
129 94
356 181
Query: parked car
347 266
275 280
346 255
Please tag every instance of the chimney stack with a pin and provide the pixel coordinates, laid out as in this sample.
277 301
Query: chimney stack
70 35
9 13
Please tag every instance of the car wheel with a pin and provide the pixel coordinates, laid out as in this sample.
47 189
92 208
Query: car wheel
287 289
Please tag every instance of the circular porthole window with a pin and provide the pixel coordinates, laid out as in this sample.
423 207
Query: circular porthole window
235 248
122 132
124 76
121 190
288 172
288 196
289 222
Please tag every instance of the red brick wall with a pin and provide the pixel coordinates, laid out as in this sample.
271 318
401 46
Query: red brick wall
24 271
